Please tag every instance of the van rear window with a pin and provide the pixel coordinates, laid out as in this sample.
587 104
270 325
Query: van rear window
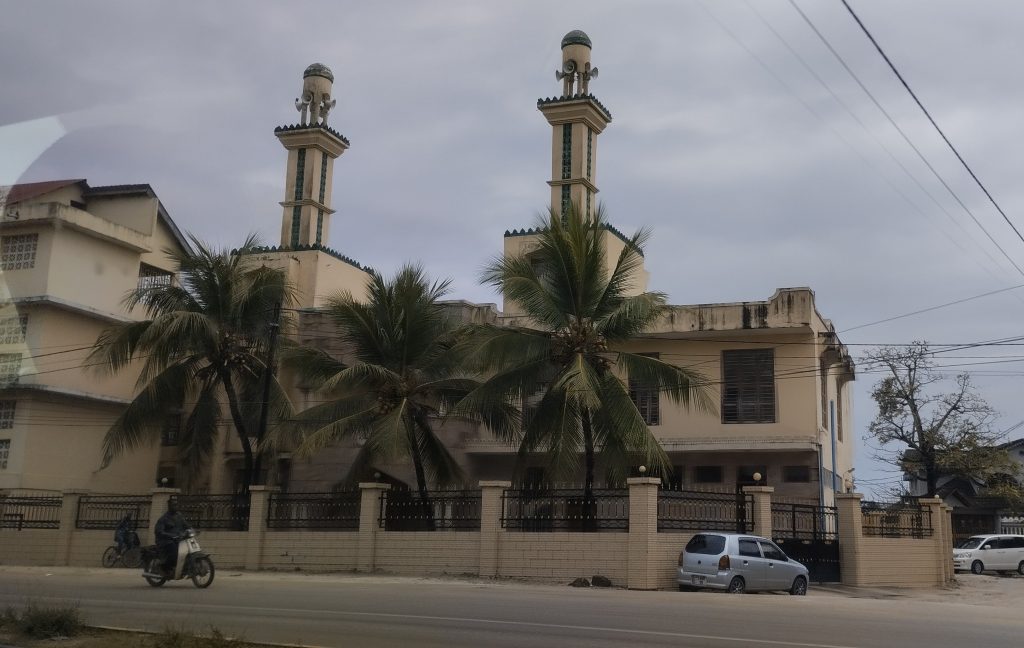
706 544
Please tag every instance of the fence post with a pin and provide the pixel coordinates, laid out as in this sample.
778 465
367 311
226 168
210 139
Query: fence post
490 525
943 551
259 504
158 504
68 520
947 523
369 524
762 509
851 535
642 572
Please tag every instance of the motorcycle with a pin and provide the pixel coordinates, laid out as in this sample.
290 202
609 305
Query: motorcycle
192 563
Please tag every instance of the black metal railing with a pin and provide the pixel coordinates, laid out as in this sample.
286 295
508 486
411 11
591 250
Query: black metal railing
565 509
896 520
215 512
684 510
800 521
107 511
405 510
30 512
337 511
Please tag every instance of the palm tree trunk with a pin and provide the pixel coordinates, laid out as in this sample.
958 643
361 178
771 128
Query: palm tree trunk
421 477
589 503
239 421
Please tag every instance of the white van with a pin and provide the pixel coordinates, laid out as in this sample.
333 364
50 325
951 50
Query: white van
1002 553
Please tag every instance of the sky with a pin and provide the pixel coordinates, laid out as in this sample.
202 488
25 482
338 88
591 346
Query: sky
737 137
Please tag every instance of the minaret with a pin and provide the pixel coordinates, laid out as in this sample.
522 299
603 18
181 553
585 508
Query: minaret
312 148
576 118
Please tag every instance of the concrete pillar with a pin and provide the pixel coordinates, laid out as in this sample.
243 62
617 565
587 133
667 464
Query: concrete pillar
762 512
643 568
369 524
491 529
947 516
68 520
158 503
942 550
851 534
259 504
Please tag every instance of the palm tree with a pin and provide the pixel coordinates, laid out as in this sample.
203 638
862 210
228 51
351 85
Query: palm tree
400 377
566 362
203 339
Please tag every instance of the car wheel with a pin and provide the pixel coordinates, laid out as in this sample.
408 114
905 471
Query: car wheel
977 567
799 587
1020 568
737 585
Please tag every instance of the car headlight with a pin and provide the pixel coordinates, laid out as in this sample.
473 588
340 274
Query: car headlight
965 555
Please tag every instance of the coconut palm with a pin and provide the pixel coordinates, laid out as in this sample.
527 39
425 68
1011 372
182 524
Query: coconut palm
399 377
565 364
204 339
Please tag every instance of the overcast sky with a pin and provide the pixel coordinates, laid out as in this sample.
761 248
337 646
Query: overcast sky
752 174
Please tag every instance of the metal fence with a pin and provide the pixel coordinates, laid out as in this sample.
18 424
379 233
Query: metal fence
405 510
565 509
32 512
106 511
215 512
799 521
896 520
319 511
683 510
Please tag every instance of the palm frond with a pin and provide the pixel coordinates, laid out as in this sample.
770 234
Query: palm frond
682 385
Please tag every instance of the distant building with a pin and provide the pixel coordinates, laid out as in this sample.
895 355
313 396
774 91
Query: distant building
780 372
69 253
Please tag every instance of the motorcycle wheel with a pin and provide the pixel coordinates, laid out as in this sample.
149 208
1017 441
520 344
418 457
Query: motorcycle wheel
154 567
132 558
202 572
110 557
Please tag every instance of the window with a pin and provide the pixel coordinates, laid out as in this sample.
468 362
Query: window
749 548
839 409
170 434
646 398
150 277
824 394
5 452
7 414
18 252
748 386
12 329
771 552
701 543
1013 543
796 474
10 366
745 475
707 474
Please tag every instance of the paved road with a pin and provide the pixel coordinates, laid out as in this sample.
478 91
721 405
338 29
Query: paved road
378 611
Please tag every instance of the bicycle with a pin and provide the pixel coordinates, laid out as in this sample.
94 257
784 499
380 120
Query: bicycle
131 557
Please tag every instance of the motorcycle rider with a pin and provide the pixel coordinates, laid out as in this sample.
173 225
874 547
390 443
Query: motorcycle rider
167 531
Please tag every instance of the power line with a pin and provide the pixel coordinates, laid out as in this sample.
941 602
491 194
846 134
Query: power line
929 116
903 134
933 308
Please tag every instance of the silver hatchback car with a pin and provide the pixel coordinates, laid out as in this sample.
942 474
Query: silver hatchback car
738 563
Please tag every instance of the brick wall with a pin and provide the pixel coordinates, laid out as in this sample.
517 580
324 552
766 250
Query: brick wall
310 550
428 552
29 546
564 556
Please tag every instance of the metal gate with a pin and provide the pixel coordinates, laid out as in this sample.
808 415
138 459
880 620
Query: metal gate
809 534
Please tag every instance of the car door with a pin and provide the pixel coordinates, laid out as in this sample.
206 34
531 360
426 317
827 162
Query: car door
751 565
1014 551
778 573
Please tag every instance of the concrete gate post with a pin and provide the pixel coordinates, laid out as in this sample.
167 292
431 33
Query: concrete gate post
259 505
642 570
851 534
68 521
762 496
491 530
369 524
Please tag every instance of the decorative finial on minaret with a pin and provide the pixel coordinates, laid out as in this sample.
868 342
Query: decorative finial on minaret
576 72
315 102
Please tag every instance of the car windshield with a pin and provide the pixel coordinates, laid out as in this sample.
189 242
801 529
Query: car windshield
969 543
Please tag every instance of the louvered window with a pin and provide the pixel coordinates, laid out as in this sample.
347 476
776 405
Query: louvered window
748 386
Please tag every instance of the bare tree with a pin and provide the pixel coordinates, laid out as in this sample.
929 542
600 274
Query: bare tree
926 431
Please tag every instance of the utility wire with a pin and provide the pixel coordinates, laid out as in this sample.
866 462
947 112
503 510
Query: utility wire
929 116
903 134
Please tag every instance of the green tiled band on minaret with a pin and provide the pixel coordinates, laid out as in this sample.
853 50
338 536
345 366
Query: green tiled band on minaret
323 191
300 173
590 153
566 151
565 200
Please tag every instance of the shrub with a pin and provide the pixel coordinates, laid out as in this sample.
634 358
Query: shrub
182 639
46 622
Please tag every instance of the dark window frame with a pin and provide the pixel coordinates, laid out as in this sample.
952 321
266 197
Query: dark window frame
788 474
698 479
748 386
646 399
